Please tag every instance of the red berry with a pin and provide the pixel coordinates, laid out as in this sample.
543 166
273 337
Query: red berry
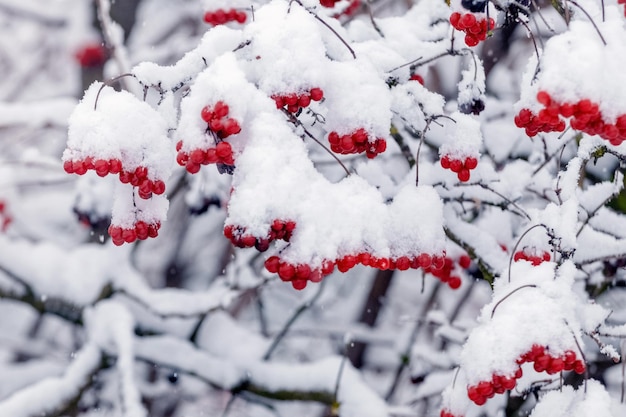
68 166
556 365
304 101
303 272
471 40
454 282
316 94
484 388
403 263
465 261
129 235
579 367
286 271
455 19
316 276
445 162
206 114
463 175
424 260
116 233
272 263
327 267
299 284
346 263
456 165
468 20
115 166
192 167
196 156
158 187
471 162
141 229
291 99
223 150
241 17
92 55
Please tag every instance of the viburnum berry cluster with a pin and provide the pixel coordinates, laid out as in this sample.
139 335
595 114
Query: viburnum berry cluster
356 142
439 266
141 231
138 177
279 230
461 167
534 257
475 28
584 115
542 360
294 102
221 16
443 272
221 126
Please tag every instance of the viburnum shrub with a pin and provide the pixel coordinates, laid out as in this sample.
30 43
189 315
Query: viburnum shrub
307 124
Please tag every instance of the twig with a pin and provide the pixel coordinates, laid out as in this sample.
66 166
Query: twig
510 294
329 28
293 119
283 332
590 19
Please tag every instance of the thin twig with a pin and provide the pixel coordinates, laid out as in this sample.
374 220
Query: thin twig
283 332
293 119
590 19
510 294
329 28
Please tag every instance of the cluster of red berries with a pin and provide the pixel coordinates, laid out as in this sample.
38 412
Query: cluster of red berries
461 167
329 3
218 121
222 126
221 16
222 153
289 272
443 268
141 231
535 259
484 390
418 78
92 55
542 361
585 116
137 178
475 29
298 274
294 102
6 217
356 142
279 229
